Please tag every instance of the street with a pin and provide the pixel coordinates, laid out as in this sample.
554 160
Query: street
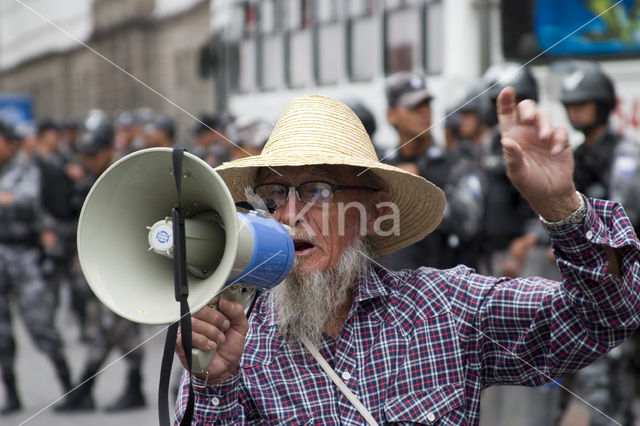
40 390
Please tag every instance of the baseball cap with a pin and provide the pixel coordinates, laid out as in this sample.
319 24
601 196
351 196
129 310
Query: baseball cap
407 89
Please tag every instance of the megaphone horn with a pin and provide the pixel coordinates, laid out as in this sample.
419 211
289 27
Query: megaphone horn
125 237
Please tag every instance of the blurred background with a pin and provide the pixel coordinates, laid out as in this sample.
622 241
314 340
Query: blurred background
251 57
213 76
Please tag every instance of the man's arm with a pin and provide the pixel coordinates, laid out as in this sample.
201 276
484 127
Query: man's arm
539 161
530 330
533 329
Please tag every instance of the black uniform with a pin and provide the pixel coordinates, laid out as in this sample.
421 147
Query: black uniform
452 243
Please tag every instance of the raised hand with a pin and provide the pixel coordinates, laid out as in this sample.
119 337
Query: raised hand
538 157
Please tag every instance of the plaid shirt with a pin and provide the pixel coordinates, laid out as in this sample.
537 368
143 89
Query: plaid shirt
418 346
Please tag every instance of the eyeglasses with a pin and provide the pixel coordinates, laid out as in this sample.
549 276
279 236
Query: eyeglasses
308 192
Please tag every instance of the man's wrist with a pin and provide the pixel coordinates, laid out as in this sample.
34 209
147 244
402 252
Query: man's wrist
575 217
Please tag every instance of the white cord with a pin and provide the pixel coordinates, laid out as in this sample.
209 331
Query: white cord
335 379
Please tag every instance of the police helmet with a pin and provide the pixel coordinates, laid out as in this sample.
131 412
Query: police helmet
587 82
97 132
162 123
474 100
510 73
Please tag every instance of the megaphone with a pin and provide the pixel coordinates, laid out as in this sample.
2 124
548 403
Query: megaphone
125 239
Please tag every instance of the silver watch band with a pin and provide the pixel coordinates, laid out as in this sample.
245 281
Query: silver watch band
575 218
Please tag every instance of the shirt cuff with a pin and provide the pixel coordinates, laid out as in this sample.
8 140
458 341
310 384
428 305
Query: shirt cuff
605 224
211 403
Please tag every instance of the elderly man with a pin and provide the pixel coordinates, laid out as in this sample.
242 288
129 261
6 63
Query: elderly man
415 346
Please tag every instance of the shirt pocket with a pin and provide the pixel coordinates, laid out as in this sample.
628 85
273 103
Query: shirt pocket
442 406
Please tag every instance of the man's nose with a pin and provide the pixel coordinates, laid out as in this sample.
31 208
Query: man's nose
292 206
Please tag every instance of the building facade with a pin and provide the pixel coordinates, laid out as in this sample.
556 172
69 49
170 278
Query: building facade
108 54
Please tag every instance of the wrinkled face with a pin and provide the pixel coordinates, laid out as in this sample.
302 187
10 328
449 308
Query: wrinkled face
411 121
582 115
322 230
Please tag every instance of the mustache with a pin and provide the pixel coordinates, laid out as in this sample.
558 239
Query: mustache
302 234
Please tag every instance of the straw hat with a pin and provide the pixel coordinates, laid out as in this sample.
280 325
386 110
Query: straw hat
316 130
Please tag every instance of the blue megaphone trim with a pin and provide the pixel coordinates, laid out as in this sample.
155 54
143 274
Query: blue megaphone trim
273 252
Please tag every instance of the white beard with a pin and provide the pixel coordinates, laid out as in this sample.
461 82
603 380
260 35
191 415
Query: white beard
305 303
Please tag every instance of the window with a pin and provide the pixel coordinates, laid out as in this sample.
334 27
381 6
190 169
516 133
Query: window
329 42
241 35
271 52
362 39
298 44
433 34
403 37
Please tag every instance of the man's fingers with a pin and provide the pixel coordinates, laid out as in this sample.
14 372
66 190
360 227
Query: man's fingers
235 312
212 316
506 109
206 336
559 140
527 113
543 124
512 154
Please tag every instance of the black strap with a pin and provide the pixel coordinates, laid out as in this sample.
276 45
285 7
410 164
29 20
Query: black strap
181 289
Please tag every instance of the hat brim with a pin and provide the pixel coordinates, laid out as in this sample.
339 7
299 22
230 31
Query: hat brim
420 204
413 99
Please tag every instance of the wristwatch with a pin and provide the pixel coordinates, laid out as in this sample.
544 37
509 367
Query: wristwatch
575 218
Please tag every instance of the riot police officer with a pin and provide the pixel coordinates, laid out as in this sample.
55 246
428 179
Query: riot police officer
160 132
20 274
473 134
606 165
509 224
211 138
506 213
95 149
409 112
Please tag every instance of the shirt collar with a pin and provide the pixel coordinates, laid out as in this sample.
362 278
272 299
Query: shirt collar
370 286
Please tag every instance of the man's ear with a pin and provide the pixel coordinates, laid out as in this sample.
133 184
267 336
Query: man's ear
374 210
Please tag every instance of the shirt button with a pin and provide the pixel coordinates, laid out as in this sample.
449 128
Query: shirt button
431 417
589 234
346 375
215 401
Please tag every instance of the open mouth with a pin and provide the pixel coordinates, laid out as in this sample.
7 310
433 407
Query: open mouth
302 246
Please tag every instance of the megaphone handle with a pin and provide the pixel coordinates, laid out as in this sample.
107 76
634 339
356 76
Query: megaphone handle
236 292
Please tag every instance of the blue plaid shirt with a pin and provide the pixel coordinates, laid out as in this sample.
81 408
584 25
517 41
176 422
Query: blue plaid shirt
419 346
